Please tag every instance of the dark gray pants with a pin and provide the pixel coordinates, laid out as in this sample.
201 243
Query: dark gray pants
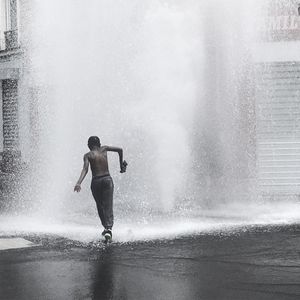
103 188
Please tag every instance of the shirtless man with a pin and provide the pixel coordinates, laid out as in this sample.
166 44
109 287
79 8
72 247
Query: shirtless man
102 185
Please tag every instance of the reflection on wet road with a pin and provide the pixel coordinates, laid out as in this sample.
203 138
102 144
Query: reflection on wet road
261 263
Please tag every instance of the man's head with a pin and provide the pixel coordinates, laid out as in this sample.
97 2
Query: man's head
93 141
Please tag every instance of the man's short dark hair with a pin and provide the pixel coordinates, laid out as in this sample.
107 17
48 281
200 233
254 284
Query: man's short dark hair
93 141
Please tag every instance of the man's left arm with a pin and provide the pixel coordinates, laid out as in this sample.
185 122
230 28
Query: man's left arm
123 163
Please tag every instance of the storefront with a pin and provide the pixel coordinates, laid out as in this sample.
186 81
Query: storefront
278 101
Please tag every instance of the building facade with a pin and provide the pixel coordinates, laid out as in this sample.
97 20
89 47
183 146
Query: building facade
277 99
11 63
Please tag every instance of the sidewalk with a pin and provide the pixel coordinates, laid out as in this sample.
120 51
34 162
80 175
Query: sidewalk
14 243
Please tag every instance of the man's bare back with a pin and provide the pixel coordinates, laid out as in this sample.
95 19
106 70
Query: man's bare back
98 161
97 158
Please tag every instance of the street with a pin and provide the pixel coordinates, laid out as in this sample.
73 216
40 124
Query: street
252 263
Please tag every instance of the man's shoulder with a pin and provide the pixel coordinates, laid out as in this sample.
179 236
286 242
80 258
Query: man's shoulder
91 153
88 154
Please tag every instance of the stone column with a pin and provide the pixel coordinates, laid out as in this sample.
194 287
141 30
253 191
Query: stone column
11 151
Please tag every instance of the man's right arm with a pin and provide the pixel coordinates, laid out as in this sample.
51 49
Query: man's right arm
84 171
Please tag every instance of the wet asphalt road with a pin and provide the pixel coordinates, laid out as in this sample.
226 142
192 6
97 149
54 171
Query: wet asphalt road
256 263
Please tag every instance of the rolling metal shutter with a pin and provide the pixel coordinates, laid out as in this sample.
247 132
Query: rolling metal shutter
278 127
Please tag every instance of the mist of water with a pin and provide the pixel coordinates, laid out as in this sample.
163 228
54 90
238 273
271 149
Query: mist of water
122 71
156 78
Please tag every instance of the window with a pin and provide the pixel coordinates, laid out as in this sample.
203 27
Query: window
3 22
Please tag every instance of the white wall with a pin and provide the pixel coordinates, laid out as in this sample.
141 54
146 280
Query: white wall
277 51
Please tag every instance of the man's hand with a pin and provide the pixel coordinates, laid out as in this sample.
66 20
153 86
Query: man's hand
124 166
77 188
